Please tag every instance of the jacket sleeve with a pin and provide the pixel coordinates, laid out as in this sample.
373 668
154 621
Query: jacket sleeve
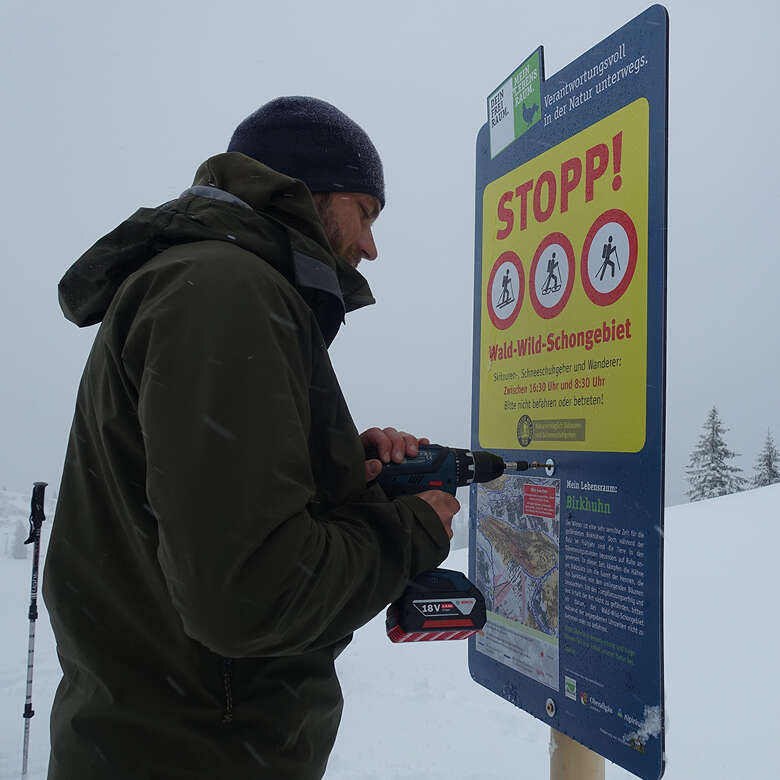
223 363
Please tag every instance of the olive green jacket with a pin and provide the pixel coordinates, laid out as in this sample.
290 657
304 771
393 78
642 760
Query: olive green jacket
215 544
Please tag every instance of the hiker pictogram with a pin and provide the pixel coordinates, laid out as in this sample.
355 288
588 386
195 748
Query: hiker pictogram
606 253
609 257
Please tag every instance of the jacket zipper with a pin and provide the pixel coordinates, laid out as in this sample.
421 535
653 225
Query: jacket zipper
227 681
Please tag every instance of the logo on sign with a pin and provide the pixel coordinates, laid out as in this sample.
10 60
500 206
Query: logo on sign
525 430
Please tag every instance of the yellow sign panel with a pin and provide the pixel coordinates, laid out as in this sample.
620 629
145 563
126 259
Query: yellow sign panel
563 358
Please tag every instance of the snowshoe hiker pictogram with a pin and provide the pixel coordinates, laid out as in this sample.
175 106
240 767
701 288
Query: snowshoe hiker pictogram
552 283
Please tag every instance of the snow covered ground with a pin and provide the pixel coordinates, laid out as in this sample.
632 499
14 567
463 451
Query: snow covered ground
414 712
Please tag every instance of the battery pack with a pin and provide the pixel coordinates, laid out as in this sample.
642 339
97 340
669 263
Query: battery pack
438 605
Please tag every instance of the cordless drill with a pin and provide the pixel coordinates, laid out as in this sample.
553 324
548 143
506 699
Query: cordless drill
441 603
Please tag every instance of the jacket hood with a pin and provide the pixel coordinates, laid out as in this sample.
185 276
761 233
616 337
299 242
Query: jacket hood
233 199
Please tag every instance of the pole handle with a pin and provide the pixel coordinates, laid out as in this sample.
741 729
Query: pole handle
36 511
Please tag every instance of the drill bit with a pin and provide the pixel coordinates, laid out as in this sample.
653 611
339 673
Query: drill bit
521 465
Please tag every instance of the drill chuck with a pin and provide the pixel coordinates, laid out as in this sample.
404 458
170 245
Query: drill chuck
487 466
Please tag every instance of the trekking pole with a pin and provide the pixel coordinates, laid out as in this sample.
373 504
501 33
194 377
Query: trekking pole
36 519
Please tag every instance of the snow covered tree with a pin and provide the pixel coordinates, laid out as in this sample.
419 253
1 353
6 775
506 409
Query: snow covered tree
766 470
19 549
711 472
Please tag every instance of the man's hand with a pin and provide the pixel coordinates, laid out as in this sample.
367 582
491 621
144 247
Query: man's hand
396 445
390 445
446 506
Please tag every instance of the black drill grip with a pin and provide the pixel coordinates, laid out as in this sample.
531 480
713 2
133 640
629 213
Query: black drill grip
434 468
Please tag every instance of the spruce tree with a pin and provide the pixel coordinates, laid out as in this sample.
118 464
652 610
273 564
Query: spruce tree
766 470
711 472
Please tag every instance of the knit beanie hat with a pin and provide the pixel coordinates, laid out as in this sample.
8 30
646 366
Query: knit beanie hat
313 141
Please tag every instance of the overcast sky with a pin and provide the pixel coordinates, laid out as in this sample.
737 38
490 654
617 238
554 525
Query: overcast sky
105 110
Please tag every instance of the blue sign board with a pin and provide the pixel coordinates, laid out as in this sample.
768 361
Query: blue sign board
569 376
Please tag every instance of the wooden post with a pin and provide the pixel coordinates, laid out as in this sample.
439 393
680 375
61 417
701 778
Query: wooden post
571 761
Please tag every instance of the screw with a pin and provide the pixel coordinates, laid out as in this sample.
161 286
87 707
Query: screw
549 467
550 707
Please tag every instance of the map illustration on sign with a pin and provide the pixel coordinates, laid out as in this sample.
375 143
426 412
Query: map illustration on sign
518 532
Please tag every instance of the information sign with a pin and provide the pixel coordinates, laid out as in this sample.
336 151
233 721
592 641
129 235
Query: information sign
569 367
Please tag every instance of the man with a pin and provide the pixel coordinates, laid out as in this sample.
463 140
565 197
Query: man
215 542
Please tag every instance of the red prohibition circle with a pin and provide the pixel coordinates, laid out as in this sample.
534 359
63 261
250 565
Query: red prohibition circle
505 257
548 312
611 215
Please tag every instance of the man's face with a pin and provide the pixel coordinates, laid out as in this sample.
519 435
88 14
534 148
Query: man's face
348 218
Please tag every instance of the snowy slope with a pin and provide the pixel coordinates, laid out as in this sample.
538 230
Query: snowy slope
414 712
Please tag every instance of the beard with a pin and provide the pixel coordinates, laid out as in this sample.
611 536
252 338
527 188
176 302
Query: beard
333 232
